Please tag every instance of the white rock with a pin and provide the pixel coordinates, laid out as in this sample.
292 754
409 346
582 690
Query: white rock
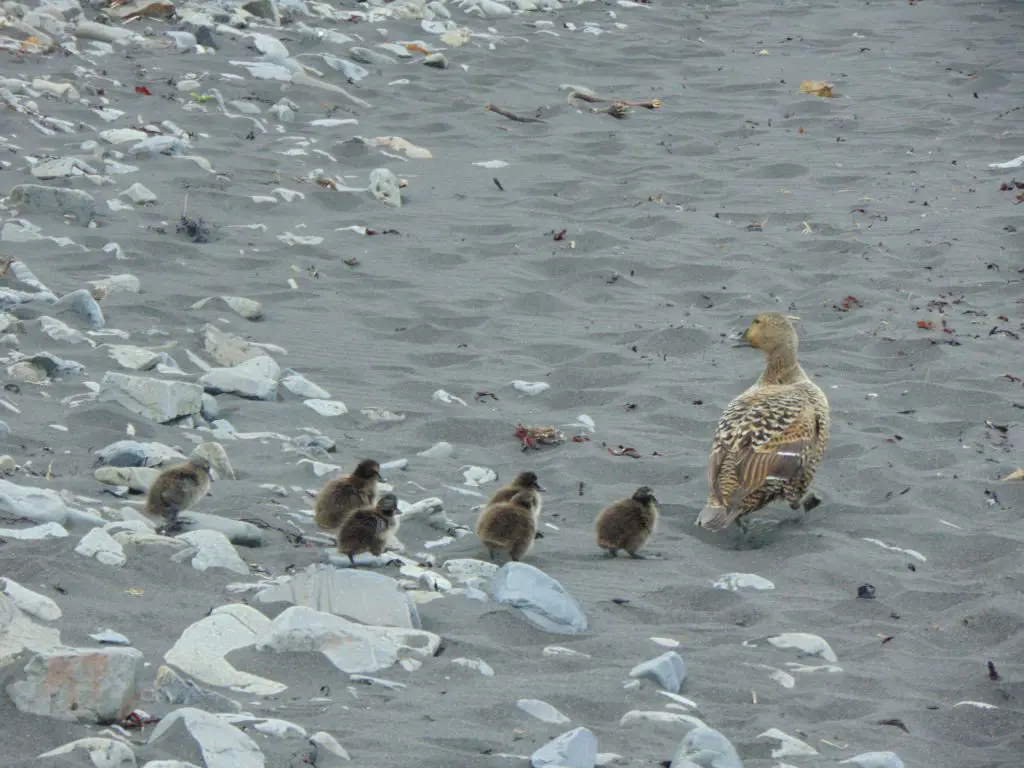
802 641
875 760
18 633
384 187
104 753
574 749
446 397
154 399
256 378
200 650
667 670
326 407
215 453
222 745
441 450
139 194
789 746
101 545
36 532
298 384
542 711
324 741
109 637
213 551
705 748
734 582
137 478
479 665
531 387
227 348
369 598
645 717
247 308
351 647
477 476
31 602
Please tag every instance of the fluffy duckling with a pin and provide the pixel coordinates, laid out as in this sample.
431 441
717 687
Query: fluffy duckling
523 481
771 437
510 526
176 489
369 529
627 524
342 495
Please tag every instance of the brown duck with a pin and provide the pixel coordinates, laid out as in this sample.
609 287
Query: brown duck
770 438
342 495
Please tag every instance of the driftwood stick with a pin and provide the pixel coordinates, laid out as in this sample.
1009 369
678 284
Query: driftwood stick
511 115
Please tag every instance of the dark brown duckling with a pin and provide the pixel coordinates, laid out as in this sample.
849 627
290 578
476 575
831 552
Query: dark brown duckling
628 523
175 490
510 526
523 481
343 495
369 529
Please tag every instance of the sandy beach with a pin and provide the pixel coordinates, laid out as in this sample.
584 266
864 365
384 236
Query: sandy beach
606 258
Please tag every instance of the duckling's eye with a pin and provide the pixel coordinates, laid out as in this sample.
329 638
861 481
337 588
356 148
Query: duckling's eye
757 321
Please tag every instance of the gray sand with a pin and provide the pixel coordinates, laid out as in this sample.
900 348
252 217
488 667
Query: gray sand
883 193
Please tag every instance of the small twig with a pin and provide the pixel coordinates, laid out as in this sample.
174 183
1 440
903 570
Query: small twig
511 115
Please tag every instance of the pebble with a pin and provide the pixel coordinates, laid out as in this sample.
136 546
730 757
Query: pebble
101 545
802 641
222 745
667 670
384 187
542 711
575 749
734 582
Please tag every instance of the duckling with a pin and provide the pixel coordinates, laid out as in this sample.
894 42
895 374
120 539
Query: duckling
342 495
627 524
369 529
510 525
523 481
176 489
771 437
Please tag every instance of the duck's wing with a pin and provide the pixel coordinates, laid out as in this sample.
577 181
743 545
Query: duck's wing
764 436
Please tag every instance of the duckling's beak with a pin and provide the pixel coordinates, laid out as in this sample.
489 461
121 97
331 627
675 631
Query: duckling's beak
741 339
541 488
381 477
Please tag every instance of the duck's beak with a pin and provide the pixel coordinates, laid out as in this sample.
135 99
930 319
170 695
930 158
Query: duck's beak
740 339
541 488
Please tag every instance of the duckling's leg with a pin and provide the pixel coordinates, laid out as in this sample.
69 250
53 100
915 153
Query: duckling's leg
351 559
612 551
635 555
743 525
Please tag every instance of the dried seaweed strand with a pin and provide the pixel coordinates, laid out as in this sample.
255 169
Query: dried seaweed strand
511 115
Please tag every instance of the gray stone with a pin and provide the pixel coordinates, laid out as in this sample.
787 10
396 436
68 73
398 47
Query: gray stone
107 753
238 532
875 760
42 505
138 479
366 56
210 407
82 302
384 187
574 749
172 688
139 194
96 686
370 598
132 453
43 366
255 379
298 384
436 60
218 458
154 399
264 9
705 748
222 744
667 670
37 198
61 167
541 599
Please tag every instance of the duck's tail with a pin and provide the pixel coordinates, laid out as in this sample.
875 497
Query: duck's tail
714 518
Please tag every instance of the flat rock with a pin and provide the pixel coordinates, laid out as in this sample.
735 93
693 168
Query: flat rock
705 748
238 532
370 598
875 760
667 670
211 549
18 633
218 457
42 505
155 399
105 753
351 647
255 378
222 745
31 603
541 599
384 187
136 478
38 198
298 384
96 686
227 348
36 532
201 649
574 749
